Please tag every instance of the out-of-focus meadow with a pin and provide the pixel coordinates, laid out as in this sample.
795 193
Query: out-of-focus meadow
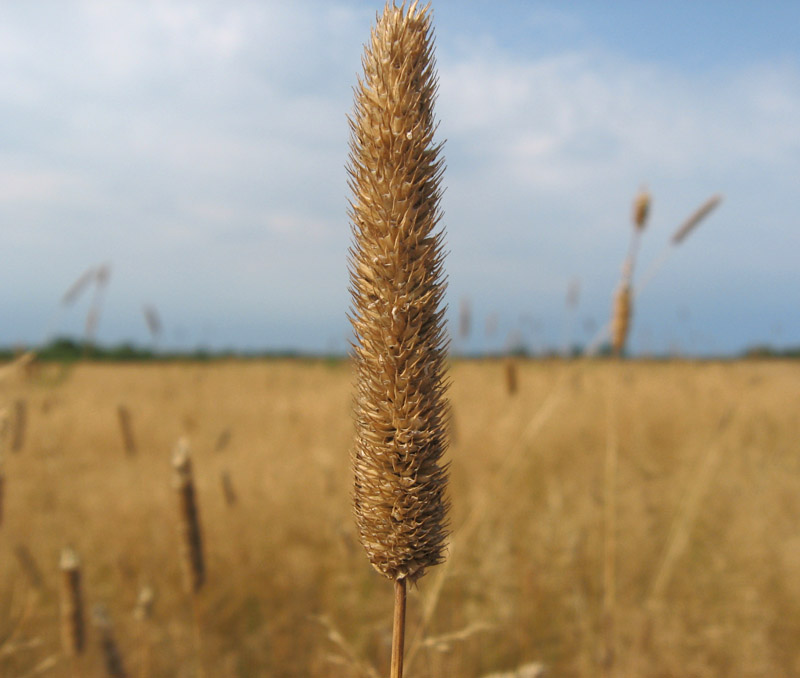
699 460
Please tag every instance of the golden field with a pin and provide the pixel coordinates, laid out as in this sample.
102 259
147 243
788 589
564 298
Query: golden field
677 483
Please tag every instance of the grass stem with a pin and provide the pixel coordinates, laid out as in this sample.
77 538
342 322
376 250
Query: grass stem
398 628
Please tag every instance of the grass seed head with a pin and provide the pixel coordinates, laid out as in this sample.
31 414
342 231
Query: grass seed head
73 629
126 430
641 209
695 218
191 534
397 289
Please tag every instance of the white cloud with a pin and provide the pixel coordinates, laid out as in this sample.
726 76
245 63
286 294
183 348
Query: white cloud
566 121
549 152
141 132
26 187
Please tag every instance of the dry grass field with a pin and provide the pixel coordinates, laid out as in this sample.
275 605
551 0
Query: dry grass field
701 462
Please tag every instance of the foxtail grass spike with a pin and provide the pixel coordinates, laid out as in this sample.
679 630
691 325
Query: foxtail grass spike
126 430
397 288
73 628
641 209
191 534
696 217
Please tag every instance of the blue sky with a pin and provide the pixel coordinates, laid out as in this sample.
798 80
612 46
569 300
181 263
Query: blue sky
199 149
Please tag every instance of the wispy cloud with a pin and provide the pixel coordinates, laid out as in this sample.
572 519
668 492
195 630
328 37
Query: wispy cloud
577 116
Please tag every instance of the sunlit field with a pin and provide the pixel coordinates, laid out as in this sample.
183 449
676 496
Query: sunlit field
626 518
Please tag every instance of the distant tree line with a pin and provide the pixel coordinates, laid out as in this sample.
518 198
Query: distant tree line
66 350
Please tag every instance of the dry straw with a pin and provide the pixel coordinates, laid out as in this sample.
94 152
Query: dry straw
191 536
73 630
397 292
